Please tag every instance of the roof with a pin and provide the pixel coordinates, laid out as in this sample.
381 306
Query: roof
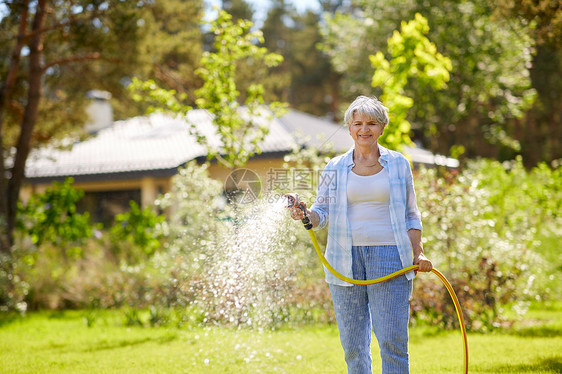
160 143
326 135
317 132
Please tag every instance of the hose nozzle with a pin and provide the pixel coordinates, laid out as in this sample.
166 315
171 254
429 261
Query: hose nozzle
293 202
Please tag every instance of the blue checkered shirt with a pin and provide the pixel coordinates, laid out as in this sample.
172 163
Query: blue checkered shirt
331 206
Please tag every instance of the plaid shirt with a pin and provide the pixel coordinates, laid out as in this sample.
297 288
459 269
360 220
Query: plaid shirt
331 206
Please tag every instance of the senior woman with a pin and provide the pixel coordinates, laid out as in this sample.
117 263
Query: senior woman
367 198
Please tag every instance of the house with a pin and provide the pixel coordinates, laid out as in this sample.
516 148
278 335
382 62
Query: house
134 159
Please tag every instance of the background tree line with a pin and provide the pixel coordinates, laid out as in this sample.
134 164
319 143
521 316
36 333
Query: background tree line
502 99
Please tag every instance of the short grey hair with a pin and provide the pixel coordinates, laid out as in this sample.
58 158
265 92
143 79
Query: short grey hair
369 106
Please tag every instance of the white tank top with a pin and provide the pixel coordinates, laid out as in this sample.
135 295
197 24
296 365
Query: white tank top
368 209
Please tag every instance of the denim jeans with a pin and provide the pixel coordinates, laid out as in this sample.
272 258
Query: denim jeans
384 306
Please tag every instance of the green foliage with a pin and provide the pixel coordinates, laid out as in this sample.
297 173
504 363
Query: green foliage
50 236
239 119
51 217
413 57
87 45
540 130
348 44
481 228
305 78
197 219
484 228
156 98
58 263
239 9
194 203
170 51
490 81
139 228
544 17
528 200
240 132
48 224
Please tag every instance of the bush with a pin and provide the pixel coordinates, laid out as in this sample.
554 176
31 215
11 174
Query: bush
480 230
59 263
135 235
231 264
51 217
47 226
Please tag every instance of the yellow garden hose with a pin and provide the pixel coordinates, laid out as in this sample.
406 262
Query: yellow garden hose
393 275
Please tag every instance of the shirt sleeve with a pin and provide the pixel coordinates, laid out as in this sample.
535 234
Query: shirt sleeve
413 216
321 205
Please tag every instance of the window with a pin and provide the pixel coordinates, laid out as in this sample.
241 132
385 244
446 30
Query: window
103 206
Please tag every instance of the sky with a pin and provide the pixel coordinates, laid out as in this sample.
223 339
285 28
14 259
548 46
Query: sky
261 7
301 5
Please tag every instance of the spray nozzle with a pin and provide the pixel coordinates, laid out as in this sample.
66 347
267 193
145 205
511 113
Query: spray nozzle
293 202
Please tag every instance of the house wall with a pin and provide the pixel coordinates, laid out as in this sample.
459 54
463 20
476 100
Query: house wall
148 187
262 167
273 177
151 187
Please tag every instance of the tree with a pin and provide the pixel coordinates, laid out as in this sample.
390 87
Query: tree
238 9
240 132
540 130
543 16
55 52
278 39
169 52
413 57
51 217
489 83
238 110
305 78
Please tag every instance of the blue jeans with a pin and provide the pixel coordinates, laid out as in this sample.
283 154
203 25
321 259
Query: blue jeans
384 306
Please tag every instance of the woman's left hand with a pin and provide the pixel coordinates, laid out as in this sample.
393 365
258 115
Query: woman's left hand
423 262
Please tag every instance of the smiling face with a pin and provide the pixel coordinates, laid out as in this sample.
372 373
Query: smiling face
365 130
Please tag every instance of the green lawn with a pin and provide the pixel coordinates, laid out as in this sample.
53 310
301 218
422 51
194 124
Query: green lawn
62 343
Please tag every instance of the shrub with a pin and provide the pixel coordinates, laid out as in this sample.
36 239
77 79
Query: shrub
51 217
135 235
480 230
58 263
243 265
47 226
196 218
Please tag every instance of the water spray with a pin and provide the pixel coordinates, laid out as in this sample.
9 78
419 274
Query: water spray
293 202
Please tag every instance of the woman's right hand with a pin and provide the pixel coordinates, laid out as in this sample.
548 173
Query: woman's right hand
297 213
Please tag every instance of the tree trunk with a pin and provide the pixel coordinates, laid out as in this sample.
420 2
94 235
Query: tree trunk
5 97
30 114
546 78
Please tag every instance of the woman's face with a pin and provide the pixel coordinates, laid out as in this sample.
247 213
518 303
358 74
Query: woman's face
365 130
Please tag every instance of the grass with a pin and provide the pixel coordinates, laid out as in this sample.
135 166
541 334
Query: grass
63 343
